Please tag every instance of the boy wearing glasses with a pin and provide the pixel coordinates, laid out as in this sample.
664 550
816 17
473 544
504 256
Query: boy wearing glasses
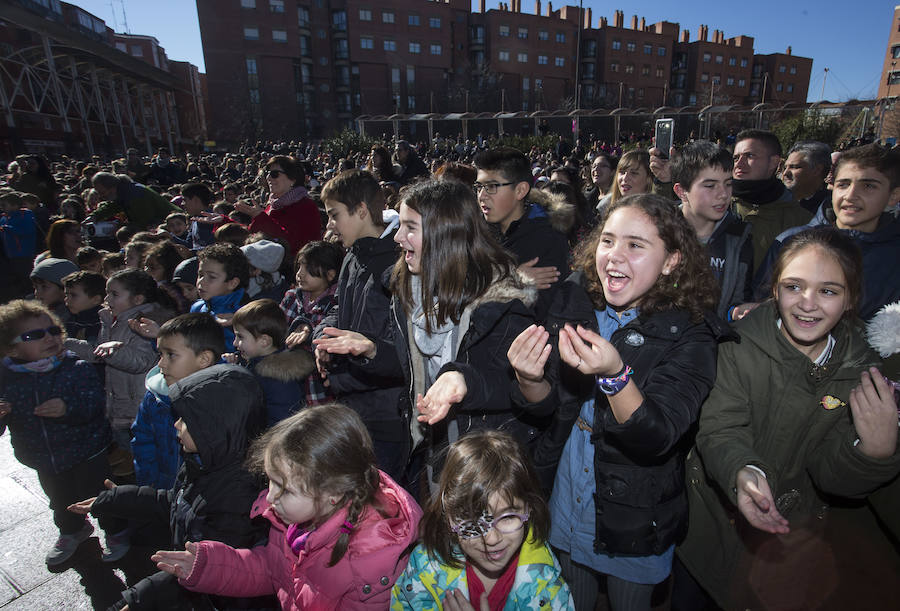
528 222
54 406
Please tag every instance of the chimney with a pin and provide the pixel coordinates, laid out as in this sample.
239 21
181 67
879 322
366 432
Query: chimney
518 6
619 19
789 50
587 18
705 33
537 7
603 22
685 36
481 6
643 24
549 9
634 22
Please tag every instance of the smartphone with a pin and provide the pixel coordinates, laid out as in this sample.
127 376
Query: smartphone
663 140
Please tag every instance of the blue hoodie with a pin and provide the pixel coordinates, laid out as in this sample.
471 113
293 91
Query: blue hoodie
223 304
154 442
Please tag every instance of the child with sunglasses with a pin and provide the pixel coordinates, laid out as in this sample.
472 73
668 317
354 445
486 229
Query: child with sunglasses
484 536
54 406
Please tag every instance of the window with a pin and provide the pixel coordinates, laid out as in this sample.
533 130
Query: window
640 92
719 59
342 48
790 88
590 48
742 83
477 34
587 71
648 49
522 58
410 103
730 81
395 75
779 87
276 6
732 61
539 83
893 78
254 96
704 78
542 60
743 62
793 69
304 46
614 67
504 30
661 51
366 42
387 16
435 48
629 68
717 79
248 3
616 44
660 72
303 16
415 47
630 46
782 68
434 22
503 56
692 99
707 57
543 35
560 62
526 83
410 75
365 14
339 20
523 33
645 71
121 46
895 52
587 93
251 33
560 37
413 20
137 51
279 35
390 44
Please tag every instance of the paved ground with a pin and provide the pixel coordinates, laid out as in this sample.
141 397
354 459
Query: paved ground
27 532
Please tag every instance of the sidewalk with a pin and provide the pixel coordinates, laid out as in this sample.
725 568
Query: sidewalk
27 532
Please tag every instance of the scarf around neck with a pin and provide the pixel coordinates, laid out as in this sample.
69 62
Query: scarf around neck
40 366
758 192
291 197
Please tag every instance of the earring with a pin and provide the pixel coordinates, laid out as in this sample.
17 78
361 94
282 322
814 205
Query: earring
332 501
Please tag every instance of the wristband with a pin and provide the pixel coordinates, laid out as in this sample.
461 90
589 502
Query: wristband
612 385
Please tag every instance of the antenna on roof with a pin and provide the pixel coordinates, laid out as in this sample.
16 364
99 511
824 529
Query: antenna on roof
113 11
124 17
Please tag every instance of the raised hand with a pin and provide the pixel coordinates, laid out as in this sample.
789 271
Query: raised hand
176 563
145 327
756 503
874 415
588 352
449 388
84 507
341 341
528 354
543 277
106 349
298 338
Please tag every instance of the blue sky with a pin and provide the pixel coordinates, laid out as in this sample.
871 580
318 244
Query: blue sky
849 38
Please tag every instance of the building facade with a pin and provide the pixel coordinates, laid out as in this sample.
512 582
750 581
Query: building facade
69 84
295 68
890 73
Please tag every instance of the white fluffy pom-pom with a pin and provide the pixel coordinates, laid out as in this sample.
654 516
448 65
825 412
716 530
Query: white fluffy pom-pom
884 330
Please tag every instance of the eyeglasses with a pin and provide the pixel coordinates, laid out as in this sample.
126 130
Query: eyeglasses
35 334
490 187
507 524
274 173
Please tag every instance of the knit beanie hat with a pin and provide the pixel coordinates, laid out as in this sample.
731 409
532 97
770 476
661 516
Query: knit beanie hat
53 270
186 271
264 255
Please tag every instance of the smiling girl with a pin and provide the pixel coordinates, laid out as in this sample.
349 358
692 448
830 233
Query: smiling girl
626 359
799 421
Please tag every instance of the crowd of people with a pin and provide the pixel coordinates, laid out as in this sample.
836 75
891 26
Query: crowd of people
465 376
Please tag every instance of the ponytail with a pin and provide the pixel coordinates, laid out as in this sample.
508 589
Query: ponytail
140 283
359 500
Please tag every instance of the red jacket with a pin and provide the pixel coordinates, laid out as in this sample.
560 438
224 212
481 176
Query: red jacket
362 579
298 223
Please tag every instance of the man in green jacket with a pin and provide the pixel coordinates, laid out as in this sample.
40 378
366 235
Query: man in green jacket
142 206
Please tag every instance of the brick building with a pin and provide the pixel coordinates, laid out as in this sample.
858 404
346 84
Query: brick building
290 68
890 73
69 84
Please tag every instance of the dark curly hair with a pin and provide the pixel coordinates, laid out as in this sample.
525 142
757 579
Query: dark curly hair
691 285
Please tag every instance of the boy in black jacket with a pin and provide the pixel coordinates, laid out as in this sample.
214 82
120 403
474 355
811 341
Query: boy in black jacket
354 202
220 410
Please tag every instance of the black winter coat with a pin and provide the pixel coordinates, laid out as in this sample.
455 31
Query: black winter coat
224 409
638 464
363 304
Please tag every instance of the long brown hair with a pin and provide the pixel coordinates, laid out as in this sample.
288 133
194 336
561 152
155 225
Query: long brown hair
329 453
477 467
637 158
691 285
460 259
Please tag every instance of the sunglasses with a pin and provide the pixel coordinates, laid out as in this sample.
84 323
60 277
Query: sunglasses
35 334
274 173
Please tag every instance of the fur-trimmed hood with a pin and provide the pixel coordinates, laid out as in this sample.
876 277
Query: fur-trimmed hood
561 214
508 288
286 365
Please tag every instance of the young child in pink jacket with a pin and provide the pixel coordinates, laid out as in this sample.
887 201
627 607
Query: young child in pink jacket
340 527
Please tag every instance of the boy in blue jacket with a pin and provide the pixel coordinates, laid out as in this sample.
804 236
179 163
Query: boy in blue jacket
222 277
186 344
